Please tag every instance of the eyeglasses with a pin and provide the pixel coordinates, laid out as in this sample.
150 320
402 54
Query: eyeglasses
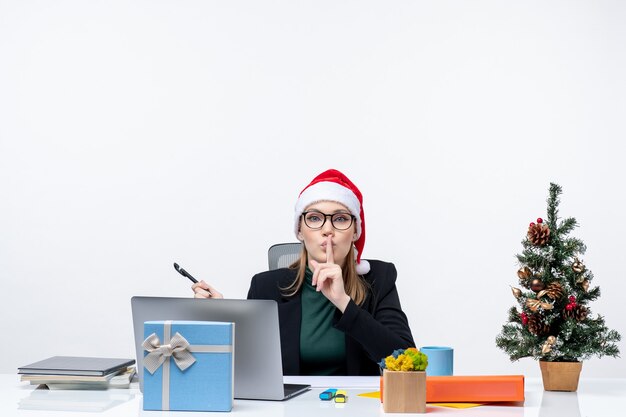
315 220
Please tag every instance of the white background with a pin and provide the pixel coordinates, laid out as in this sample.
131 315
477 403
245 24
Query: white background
135 134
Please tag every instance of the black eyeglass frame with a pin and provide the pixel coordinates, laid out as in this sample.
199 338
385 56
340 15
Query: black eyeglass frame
304 213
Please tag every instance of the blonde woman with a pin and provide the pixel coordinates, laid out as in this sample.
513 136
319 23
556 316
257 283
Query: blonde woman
339 314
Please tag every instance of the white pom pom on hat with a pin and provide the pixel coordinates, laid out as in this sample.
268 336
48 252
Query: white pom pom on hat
332 185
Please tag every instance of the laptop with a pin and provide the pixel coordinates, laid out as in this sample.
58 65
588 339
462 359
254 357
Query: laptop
258 360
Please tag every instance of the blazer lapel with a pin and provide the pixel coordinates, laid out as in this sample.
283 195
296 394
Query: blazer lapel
290 317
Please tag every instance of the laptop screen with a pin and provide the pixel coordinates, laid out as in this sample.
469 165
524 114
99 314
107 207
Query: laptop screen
258 363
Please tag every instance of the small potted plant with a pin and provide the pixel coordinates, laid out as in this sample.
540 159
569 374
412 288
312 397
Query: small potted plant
403 388
553 321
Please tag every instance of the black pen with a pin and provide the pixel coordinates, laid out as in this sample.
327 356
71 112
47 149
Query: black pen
188 275
184 273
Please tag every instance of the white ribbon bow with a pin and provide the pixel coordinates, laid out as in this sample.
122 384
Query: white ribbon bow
178 348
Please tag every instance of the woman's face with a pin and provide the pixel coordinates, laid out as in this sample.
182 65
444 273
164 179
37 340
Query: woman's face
315 240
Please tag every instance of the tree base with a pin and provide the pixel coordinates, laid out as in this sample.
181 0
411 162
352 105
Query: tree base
560 376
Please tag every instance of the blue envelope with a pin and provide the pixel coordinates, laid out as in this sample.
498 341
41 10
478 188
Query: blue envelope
189 365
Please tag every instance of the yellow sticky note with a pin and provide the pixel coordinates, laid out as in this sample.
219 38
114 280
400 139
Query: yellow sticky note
457 405
374 394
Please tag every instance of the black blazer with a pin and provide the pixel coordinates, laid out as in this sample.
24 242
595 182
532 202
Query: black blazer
373 330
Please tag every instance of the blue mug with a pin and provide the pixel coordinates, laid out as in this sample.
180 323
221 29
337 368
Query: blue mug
440 360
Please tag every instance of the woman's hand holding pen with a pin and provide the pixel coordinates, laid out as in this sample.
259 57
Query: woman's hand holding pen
203 290
328 278
200 288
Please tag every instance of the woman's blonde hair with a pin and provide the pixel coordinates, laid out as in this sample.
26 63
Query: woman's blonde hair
354 284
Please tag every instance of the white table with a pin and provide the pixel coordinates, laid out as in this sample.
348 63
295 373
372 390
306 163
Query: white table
595 397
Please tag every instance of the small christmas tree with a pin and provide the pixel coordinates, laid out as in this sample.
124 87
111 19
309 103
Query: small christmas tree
554 320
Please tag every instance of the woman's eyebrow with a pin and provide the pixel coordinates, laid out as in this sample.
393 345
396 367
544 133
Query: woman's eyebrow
343 211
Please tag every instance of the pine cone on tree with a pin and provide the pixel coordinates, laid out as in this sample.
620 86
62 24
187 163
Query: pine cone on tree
537 326
579 313
538 234
554 290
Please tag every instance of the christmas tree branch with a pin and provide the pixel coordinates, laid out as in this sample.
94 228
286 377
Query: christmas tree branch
553 205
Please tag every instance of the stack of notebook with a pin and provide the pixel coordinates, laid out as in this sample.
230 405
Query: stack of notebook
75 372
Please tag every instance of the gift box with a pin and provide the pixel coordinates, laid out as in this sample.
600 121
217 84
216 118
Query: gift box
189 365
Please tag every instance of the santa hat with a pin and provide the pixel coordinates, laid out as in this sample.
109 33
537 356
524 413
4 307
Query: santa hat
332 185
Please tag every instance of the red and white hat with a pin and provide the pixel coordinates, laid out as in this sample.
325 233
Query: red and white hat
332 185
